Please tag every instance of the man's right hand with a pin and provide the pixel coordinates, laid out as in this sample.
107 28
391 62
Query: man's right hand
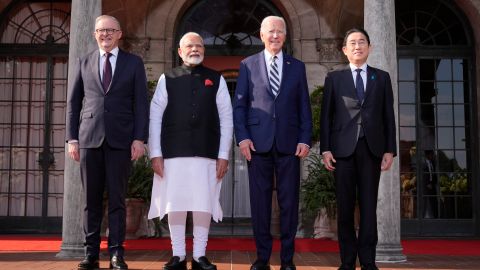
245 147
328 160
157 165
73 151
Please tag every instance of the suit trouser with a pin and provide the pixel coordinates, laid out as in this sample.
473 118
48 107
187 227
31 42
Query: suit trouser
360 173
101 168
261 170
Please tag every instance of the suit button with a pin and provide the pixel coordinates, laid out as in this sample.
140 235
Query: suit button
105 111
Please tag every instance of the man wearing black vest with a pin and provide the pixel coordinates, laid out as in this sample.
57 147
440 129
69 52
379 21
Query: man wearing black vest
191 131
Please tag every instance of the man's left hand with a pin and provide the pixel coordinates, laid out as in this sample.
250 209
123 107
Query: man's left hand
137 149
222 168
302 150
387 161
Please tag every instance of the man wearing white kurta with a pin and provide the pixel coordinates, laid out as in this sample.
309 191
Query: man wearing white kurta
191 130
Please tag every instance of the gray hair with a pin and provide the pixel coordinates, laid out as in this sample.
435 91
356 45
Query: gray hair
182 40
101 17
268 18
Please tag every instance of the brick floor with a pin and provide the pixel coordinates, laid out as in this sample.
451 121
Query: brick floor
238 260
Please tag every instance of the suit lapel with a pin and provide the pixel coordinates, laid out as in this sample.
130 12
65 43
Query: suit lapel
121 61
371 81
262 68
94 60
348 77
285 72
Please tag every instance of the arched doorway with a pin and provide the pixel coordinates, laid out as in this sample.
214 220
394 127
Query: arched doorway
33 86
436 109
230 30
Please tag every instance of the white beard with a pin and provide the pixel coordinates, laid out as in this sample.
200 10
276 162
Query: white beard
195 60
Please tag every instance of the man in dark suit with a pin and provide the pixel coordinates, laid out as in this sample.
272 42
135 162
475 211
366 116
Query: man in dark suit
273 127
357 133
107 126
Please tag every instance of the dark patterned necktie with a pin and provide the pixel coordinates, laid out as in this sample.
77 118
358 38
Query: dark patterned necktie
359 85
274 77
107 72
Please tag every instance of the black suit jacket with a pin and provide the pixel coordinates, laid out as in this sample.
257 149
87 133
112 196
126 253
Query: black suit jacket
118 116
342 113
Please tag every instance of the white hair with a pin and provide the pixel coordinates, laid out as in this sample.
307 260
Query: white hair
184 37
277 18
101 17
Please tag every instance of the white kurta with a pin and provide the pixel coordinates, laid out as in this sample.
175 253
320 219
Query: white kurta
188 183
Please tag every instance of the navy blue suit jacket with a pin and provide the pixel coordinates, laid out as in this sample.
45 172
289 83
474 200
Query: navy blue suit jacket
119 116
263 118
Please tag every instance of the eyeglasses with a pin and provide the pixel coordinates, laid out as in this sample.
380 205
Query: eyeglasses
360 43
108 31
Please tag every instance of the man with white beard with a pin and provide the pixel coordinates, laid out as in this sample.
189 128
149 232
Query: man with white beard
191 131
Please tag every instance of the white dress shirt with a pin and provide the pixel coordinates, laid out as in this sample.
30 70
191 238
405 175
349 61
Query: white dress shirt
363 73
113 61
268 63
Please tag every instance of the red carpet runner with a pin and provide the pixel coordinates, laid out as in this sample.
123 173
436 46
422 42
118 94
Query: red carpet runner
15 243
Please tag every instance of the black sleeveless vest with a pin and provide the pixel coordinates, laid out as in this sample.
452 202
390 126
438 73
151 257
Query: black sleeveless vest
190 124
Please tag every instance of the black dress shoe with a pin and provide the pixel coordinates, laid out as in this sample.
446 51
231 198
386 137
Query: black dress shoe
117 262
175 264
369 267
203 264
260 265
288 266
346 267
89 263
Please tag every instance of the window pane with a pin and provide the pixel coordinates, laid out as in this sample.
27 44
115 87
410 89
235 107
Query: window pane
444 115
458 92
464 209
445 138
427 92
459 115
427 115
406 69
427 69
460 138
406 91
444 70
458 69
444 92
407 115
461 160
407 137
444 161
447 207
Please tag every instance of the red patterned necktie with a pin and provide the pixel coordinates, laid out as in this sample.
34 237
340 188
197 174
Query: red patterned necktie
107 72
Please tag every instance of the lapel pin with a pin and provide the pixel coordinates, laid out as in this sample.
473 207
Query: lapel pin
288 62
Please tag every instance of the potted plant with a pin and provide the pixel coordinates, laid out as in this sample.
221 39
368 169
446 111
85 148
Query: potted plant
317 190
139 189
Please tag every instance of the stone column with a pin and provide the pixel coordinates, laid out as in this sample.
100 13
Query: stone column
379 22
81 41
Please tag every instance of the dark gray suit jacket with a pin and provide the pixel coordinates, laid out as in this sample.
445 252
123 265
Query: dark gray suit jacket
342 113
119 116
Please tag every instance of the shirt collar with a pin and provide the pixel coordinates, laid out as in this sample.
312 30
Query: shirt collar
114 52
363 67
268 56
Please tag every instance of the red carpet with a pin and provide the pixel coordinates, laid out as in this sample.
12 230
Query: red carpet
426 247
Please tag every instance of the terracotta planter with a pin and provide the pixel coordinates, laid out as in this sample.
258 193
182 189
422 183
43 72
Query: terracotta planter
134 208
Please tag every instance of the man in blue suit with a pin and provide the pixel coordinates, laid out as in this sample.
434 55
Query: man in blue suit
273 128
107 126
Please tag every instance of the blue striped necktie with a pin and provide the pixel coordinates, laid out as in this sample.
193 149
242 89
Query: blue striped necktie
274 77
